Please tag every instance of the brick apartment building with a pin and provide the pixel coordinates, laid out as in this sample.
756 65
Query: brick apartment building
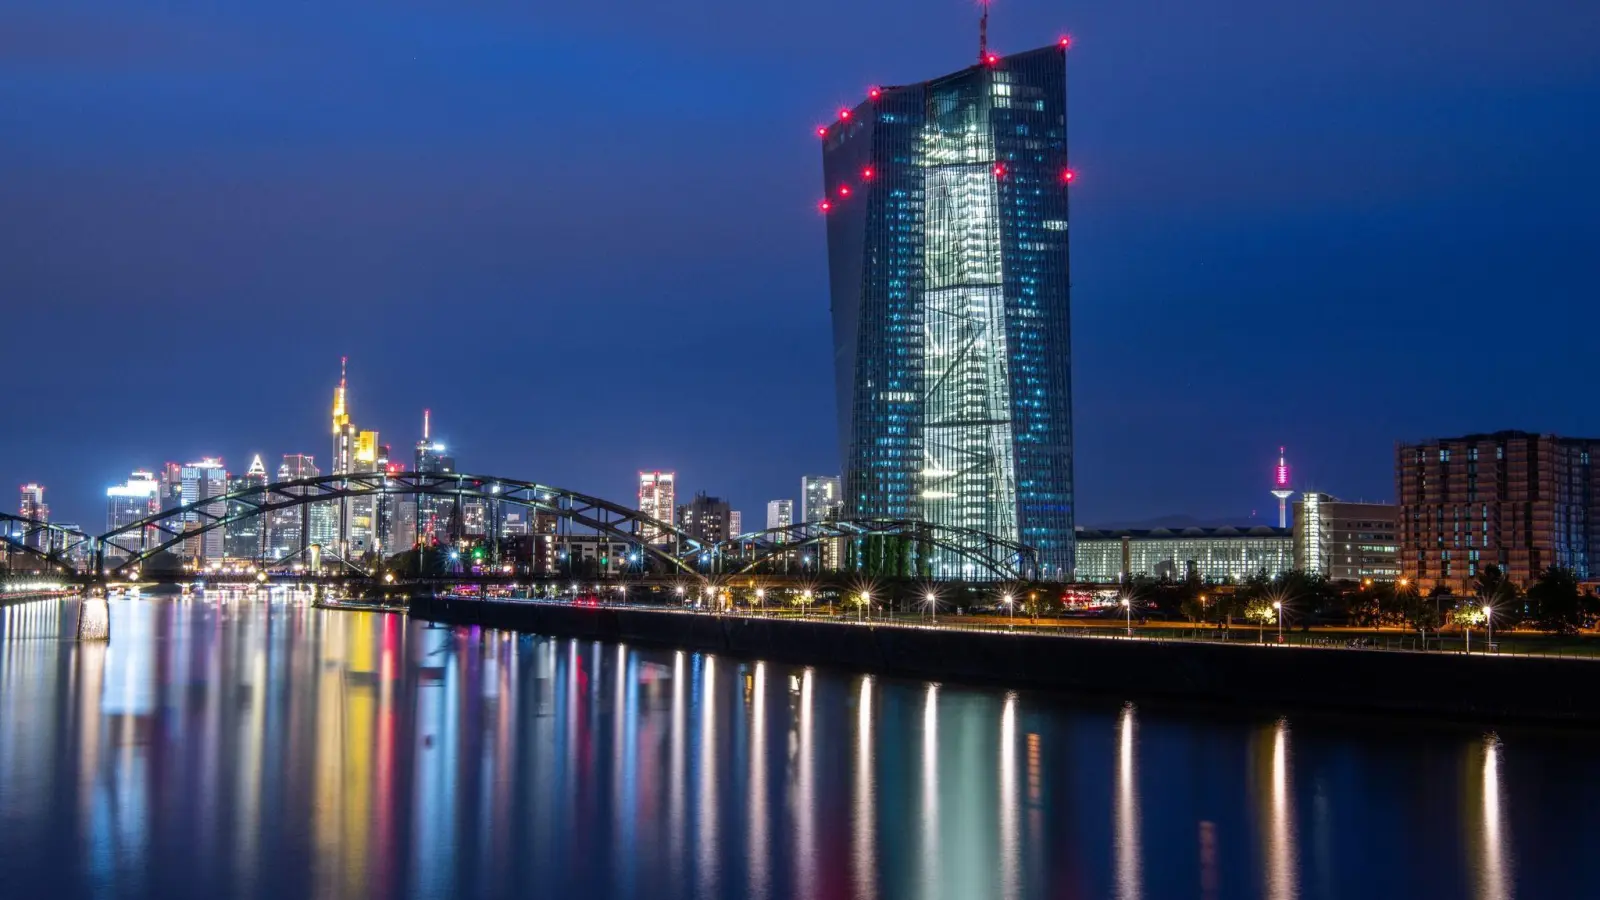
1524 502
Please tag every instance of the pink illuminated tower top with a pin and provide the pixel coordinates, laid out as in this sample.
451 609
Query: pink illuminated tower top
1280 488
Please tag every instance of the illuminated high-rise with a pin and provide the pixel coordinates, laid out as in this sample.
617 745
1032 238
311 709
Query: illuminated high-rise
657 493
203 481
819 497
128 503
246 537
287 527
946 210
432 515
780 514
33 507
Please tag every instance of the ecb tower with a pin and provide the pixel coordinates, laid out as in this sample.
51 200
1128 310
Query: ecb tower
946 211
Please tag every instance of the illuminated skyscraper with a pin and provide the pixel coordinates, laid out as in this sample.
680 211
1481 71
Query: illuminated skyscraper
288 526
707 519
656 496
780 513
202 481
433 514
946 208
33 507
819 497
128 503
246 535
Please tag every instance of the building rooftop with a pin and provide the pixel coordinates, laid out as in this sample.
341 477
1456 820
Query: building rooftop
1225 531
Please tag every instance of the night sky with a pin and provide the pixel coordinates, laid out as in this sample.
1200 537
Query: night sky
585 234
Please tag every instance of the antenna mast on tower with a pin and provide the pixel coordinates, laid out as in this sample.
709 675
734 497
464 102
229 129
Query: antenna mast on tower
983 33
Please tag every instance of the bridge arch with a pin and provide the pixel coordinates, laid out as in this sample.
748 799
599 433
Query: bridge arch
21 535
132 543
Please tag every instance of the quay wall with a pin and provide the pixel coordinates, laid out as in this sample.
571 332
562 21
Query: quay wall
1435 683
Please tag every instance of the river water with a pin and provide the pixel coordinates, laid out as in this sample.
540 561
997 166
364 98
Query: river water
238 746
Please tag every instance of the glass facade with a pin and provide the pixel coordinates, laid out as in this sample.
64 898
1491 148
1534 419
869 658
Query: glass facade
1211 554
947 242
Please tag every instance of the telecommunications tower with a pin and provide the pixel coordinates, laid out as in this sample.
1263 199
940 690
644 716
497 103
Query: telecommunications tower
1280 489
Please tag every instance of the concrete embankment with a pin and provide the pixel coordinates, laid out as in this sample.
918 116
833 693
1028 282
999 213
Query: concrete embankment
1435 684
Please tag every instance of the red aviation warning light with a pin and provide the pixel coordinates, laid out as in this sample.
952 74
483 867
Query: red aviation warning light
999 170
874 93
867 173
991 58
1065 42
844 115
844 190
1067 175
822 131
824 206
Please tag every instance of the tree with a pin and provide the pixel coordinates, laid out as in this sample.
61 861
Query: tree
1497 592
1263 611
1419 612
1558 604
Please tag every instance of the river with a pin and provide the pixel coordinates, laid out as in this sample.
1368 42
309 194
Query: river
231 745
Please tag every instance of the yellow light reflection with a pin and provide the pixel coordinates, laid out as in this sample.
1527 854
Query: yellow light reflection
1010 809
1494 859
865 849
930 795
709 857
759 851
1130 883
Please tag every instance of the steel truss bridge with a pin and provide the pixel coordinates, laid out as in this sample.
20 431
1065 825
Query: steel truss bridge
880 546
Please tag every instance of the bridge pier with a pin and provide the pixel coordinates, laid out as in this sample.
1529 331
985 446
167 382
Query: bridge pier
94 616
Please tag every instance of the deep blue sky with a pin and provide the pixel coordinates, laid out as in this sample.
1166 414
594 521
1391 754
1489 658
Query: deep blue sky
585 233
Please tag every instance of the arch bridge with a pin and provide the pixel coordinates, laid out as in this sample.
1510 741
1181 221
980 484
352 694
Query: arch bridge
883 546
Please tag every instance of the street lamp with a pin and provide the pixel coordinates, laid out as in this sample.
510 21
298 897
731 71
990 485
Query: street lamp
1007 599
1127 605
932 600
866 598
1488 621
761 598
1278 605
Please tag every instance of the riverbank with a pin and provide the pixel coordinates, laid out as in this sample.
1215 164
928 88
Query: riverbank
1528 688
9 599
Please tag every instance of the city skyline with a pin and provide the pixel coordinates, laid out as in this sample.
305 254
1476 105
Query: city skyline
1209 235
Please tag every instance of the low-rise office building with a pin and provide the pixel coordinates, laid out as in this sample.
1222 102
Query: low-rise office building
1344 541
1108 556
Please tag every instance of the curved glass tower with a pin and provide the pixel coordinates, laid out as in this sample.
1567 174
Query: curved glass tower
947 249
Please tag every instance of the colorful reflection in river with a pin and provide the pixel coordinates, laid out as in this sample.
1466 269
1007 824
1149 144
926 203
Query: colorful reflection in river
261 747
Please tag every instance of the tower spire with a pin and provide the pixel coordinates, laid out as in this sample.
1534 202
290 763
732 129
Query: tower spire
425 414
341 414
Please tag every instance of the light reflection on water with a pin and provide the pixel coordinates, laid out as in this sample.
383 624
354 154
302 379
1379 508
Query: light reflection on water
261 749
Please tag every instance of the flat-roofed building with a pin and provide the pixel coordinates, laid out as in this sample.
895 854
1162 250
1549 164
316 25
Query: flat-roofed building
1346 541
1521 501
1213 554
